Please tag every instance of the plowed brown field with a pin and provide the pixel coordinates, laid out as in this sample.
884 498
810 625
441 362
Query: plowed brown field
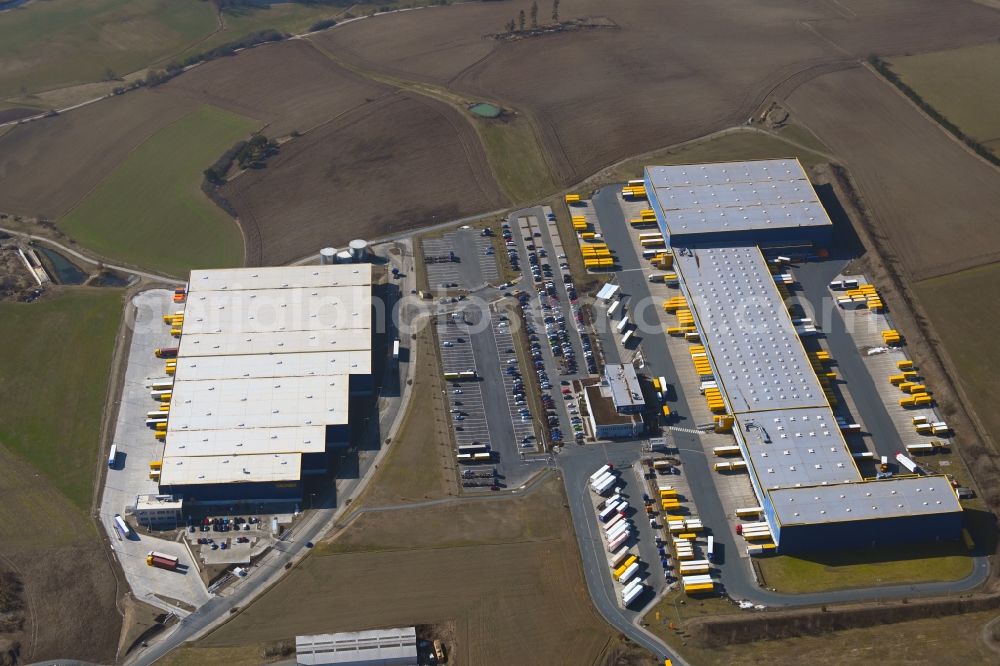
935 202
396 164
289 85
48 165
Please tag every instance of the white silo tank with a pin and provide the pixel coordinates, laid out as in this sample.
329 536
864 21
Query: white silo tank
327 256
344 257
359 249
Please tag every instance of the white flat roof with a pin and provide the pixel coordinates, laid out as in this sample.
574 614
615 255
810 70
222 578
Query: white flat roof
265 468
264 365
624 385
264 402
745 326
299 364
374 646
735 196
274 342
253 441
292 309
281 277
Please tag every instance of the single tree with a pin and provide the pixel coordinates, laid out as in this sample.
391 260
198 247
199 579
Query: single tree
510 26
520 20
534 13
555 10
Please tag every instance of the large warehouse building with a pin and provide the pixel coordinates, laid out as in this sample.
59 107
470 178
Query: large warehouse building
267 362
801 468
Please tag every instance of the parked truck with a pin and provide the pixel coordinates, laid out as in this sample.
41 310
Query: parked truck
161 560
166 352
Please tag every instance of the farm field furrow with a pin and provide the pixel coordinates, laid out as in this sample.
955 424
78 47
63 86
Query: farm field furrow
288 85
47 166
151 212
934 202
391 166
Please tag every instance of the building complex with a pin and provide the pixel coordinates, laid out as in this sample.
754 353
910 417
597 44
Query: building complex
717 218
267 362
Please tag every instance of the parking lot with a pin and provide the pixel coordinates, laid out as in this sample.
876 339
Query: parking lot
489 410
554 320
461 259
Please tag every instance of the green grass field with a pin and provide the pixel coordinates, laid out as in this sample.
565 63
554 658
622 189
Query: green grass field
963 309
84 38
514 154
963 84
53 382
56 43
150 211
843 570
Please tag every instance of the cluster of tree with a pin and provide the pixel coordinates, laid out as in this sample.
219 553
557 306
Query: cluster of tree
250 154
518 25
885 70
155 78
322 25
236 5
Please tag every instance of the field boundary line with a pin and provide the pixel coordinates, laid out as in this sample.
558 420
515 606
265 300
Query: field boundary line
944 130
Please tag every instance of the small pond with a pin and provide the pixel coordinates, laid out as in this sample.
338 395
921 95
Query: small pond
486 110
66 272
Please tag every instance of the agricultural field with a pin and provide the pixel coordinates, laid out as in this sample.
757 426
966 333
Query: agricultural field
933 202
288 85
508 576
963 84
83 39
963 310
954 639
48 468
86 40
49 165
389 166
151 212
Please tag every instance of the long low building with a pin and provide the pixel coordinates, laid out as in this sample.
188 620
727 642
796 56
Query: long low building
267 362
801 468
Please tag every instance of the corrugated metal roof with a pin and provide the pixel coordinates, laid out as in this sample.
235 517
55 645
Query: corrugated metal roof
885 498
735 196
374 646
295 439
746 327
304 364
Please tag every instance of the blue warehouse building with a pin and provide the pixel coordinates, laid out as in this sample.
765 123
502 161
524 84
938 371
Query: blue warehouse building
267 365
715 218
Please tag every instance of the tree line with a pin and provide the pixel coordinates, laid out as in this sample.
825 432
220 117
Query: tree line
892 77
518 24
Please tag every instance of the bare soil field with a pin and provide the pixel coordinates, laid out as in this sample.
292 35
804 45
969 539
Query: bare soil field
399 163
289 85
48 165
521 602
934 202
891 27
659 78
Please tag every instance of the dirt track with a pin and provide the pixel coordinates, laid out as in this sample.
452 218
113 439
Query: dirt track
934 202
396 164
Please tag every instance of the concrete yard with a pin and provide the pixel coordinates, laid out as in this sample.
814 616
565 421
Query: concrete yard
136 449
